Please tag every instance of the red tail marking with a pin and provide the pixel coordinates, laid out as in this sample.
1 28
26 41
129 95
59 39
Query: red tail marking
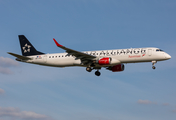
57 43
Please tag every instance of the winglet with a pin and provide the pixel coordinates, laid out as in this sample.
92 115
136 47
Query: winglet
57 43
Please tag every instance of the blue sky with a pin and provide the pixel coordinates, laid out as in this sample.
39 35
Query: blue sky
32 92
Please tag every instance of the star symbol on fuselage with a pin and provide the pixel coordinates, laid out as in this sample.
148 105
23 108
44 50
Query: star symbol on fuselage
26 48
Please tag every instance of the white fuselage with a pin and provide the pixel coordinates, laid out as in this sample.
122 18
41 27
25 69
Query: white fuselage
132 55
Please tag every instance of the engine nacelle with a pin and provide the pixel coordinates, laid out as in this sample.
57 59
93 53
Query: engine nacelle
117 68
104 61
107 61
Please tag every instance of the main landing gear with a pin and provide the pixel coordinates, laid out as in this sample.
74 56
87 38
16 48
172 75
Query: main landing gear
97 73
89 69
153 64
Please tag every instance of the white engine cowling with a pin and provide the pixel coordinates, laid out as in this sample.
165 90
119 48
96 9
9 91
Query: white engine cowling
107 61
117 68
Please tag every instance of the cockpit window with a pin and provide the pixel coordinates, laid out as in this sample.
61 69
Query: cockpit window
158 50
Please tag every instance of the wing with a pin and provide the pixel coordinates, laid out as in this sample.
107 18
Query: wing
77 54
19 56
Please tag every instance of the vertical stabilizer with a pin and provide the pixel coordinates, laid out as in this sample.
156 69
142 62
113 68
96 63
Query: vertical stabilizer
27 48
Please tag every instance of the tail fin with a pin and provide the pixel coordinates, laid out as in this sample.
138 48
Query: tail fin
27 48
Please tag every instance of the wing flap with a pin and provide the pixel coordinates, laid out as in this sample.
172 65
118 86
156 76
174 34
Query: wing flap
19 56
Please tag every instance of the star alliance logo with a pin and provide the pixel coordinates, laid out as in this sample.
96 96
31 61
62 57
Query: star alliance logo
26 48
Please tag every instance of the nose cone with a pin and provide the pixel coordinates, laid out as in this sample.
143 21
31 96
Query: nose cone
167 56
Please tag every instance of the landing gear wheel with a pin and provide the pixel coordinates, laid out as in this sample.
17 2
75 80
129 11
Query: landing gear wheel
88 69
97 73
153 67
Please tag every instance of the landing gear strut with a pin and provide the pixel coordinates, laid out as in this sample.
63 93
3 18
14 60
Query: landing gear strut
153 64
97 73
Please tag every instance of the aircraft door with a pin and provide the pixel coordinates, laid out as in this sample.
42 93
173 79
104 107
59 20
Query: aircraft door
149 52
45 58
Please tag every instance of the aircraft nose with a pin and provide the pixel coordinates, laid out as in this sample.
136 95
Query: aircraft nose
167 56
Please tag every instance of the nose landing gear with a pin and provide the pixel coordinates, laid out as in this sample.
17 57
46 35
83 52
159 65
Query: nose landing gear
153 67
153 64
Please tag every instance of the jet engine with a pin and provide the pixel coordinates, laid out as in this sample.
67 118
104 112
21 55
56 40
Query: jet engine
117 68
104 61
107 61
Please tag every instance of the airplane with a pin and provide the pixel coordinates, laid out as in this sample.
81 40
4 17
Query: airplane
112 60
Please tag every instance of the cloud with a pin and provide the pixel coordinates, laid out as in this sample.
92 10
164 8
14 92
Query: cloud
5 70
15 113
174 111
145 102
166 104
5 63
2 91
150 102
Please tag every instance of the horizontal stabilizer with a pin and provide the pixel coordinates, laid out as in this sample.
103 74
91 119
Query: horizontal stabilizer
19 56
